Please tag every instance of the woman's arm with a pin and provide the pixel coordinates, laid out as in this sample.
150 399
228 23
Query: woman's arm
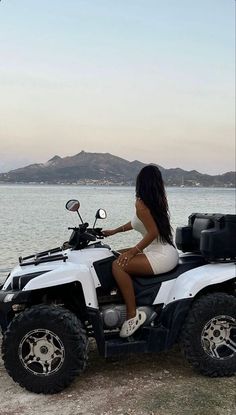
123 228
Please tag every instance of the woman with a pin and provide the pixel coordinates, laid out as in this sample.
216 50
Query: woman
155 252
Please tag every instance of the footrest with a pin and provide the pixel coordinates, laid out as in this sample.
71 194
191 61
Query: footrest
124 346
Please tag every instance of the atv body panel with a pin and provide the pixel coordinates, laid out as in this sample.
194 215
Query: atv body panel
77 268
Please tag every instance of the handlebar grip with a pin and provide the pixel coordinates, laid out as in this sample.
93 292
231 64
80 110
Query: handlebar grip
99 232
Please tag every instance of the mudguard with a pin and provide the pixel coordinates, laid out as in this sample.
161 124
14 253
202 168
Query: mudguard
65 274
190 283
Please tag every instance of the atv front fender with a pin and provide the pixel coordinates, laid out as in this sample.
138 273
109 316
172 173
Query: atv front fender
65 274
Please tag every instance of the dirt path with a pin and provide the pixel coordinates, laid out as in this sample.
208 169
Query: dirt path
160 384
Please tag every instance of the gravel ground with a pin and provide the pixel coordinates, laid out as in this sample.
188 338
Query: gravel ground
156 384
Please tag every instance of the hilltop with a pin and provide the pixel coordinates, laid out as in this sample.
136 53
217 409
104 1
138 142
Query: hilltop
106 169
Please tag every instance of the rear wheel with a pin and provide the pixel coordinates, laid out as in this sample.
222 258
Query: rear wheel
45 348
209 335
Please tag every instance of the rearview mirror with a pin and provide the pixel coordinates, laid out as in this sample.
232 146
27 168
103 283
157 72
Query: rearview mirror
101 214
73 205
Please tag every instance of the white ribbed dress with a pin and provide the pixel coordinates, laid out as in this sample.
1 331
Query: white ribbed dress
162 257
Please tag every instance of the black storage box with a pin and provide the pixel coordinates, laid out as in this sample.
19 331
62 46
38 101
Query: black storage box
212 235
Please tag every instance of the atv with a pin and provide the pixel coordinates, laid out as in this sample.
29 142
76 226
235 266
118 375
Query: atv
54 301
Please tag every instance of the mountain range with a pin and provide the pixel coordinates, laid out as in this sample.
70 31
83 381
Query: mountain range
106 169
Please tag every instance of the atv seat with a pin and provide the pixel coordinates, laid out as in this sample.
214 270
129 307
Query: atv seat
146 288
186 262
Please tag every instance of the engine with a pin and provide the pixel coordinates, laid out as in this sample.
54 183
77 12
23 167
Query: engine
114 315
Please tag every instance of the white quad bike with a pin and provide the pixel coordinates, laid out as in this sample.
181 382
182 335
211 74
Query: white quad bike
52 302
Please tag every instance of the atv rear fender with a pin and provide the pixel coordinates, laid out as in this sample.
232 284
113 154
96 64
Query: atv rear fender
189 284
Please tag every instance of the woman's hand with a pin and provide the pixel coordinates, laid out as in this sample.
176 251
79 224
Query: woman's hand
109 232
124 258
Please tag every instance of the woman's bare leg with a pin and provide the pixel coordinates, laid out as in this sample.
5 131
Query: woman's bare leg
125 284
138 265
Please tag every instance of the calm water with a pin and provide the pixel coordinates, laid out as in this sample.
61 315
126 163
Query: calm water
34 218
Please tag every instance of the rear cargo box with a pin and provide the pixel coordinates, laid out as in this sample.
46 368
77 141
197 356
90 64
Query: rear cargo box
214 235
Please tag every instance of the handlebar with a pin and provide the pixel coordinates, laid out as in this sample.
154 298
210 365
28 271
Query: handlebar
97 232
93 231
82 227
81 235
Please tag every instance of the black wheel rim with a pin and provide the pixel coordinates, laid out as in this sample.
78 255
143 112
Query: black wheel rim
218 337
41 352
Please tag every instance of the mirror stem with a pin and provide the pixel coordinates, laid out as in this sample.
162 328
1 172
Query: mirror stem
80 216
94 223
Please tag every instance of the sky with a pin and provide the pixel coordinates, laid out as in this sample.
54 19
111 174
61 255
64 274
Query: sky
150 80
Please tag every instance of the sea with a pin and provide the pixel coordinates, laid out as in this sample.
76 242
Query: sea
33 218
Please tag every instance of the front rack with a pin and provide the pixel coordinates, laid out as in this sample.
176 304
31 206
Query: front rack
44 256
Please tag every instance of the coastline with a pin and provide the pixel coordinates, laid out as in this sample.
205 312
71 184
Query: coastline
112 185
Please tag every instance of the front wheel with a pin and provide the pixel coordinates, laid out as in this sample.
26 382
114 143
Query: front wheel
208 336
45 348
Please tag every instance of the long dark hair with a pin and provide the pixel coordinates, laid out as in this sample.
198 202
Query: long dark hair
150 189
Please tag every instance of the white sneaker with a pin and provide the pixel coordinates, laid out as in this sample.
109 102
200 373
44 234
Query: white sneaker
131 325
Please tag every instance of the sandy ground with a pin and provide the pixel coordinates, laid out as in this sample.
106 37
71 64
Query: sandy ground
157 384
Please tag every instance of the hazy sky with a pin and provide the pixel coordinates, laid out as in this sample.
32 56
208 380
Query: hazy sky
151 80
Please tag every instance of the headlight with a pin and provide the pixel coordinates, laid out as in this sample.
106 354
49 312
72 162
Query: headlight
8 298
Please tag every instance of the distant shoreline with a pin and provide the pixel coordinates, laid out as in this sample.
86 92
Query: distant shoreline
111 185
